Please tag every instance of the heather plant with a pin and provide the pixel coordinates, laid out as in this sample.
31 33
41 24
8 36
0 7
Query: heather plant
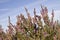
32 28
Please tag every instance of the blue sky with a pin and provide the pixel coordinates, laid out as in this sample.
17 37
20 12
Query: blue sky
13 8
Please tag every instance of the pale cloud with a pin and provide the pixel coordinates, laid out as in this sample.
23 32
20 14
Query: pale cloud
57 14
45 0
4 9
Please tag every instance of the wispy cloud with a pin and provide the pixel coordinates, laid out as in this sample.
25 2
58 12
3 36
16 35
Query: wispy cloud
4 9
3 1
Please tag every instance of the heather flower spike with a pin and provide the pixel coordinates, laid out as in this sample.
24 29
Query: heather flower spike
42 10
52 17
27 12
9 20
46 10
34 12
26 9
52 13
